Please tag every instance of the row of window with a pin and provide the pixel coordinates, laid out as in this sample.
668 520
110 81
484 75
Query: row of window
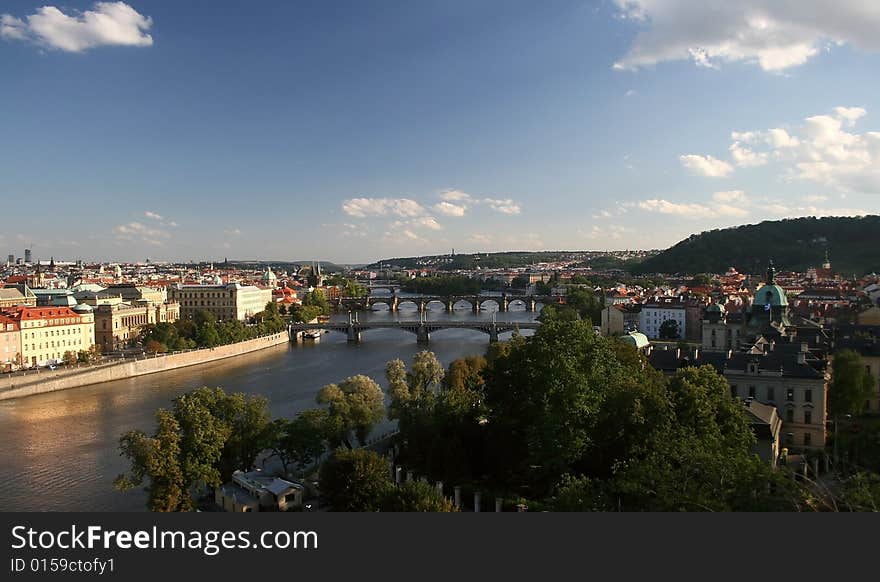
770 394
53 333
61 344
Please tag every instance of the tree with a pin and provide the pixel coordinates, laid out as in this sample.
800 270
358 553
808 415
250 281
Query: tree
209 434
355 480
156 459
69 358
465 374
851 384
542 398
669 330
416 496
355 406
300 441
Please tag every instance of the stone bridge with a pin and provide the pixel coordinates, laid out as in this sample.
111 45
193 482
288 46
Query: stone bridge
393 302
421 329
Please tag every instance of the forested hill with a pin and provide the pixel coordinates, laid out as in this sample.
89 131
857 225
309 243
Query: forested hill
853 245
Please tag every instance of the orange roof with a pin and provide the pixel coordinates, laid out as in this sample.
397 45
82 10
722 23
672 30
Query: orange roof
22 313
4 321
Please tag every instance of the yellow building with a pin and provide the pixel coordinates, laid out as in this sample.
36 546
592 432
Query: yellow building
47 333
226 302
118 324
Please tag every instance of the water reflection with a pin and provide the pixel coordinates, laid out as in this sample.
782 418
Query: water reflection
60 449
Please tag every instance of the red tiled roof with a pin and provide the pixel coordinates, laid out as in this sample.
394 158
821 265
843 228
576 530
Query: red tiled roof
22 313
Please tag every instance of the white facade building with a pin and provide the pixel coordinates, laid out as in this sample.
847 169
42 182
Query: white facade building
658 310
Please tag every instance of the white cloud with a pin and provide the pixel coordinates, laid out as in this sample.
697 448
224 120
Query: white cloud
850 114
705 165
137 231
153 215
449 209
775 34
106 24
455 196
505 206
691 211
824 150
428 222
815 198
363 207
232 232
731 196
746 158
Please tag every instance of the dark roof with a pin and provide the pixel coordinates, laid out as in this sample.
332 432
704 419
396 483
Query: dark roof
774 361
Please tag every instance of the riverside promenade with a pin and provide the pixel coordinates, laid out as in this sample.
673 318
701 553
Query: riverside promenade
38 382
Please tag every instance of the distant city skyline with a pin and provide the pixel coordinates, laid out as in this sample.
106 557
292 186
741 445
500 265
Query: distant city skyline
359 131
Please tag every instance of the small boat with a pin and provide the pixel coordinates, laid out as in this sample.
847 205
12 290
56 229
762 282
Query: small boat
313 334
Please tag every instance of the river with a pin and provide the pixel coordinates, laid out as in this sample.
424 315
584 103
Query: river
60 450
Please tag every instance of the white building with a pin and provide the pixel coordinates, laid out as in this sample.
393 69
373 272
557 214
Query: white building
658 310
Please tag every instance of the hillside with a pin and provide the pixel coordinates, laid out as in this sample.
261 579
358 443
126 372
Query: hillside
853 245
512 259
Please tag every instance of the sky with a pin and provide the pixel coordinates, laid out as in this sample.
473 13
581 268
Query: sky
356 130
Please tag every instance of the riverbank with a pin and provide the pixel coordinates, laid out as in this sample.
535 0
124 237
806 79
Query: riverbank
52 381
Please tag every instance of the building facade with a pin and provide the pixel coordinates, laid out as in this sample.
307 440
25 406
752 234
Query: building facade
47 333
119 324
659 310
226 302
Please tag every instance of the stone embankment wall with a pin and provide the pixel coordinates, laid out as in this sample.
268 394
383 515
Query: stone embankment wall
16 386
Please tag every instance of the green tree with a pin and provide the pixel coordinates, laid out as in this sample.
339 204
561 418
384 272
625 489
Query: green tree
416 496
156 460
355 480
355 406
212 435
300 441
851 384
669 330
542 398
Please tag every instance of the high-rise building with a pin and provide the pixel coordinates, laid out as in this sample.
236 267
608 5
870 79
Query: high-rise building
27 256
10 259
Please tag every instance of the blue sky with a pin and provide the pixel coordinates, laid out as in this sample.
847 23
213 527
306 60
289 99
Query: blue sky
356 130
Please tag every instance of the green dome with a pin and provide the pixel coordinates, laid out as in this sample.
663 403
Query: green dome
774 295
636 339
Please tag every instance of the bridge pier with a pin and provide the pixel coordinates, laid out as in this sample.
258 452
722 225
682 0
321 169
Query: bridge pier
493 334
422 336
354 334
504 304
533 305
476 304
423 306
450 305
394 304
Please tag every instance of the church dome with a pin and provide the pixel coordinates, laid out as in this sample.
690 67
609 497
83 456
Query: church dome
772 295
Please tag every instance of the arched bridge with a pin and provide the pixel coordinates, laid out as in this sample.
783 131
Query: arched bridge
477 302
421 329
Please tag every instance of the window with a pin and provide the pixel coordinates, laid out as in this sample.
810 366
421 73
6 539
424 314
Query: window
771 393
789 395
808 417
807 439
751 391
789 415
733 391
808 395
